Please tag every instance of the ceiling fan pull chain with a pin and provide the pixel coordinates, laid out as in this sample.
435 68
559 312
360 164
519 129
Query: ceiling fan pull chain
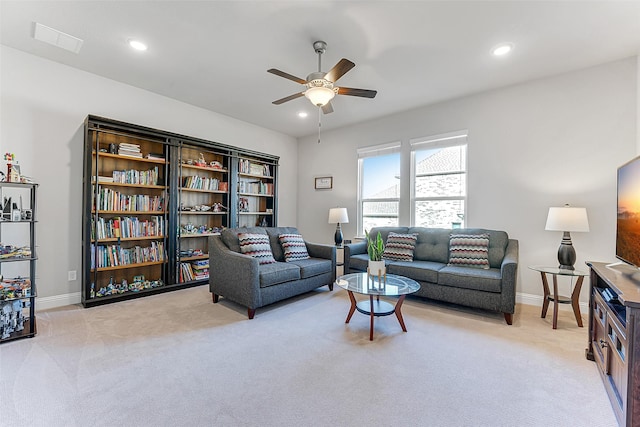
319 122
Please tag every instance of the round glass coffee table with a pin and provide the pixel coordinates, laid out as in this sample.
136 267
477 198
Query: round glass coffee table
377 286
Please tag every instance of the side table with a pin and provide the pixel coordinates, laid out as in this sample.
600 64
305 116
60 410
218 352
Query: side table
559 299
340 260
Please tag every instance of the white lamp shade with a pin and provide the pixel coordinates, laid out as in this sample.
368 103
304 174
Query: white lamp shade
567 219
338 216
319 96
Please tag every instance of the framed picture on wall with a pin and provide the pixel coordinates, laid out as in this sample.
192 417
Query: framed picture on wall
324 183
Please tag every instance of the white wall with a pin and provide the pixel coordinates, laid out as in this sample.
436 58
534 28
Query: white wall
531 146
43 106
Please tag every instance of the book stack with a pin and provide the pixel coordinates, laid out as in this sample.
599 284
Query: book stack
200 269
131 150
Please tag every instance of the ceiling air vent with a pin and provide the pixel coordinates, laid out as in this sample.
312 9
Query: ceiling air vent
56 38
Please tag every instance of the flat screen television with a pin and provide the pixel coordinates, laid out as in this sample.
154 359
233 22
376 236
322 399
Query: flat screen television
628 214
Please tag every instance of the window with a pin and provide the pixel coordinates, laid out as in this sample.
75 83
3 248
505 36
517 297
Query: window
439 181
379 186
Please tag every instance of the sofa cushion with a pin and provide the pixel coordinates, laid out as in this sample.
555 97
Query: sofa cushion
432 244
276 247
422 271
400 247
469 250
384 231
257 246
278 272
312 267
230 236
293 246
471 278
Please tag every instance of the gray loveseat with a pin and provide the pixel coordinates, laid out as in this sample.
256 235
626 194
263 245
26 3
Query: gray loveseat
491 289
241 278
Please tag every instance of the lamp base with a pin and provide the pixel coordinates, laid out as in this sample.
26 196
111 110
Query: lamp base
566 253
338 235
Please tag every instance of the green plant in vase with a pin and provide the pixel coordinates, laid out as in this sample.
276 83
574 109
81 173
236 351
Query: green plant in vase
375 248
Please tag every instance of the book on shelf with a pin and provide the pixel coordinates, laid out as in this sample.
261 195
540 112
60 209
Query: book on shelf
155 156
103 179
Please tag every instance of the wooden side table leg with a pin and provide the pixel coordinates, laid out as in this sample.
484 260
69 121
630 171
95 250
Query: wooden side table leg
372 315
555 301
545 300
575 303
398 312
353 306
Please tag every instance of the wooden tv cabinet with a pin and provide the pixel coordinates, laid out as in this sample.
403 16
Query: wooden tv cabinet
614 336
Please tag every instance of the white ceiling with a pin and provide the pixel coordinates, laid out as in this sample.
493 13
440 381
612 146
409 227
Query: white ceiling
215 54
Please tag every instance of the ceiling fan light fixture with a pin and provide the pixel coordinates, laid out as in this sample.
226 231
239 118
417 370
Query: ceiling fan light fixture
319 96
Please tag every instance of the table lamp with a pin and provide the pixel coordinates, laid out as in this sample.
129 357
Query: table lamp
337 216
567 219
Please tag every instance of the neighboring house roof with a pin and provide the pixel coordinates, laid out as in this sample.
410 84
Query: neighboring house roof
440 160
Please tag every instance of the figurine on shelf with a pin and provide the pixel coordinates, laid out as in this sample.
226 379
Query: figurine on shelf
219 207
243 204
201 161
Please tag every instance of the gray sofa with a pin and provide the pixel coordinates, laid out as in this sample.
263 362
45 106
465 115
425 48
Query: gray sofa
491 289
241 279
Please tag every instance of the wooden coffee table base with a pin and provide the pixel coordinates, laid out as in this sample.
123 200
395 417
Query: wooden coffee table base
374 308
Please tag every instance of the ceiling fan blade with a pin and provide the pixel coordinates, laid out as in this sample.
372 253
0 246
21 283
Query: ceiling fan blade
328 108
339 70
365 93
288 98
286 76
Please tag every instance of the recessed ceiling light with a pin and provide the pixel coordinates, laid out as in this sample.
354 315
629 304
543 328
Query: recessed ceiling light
137 44
502 49
302 114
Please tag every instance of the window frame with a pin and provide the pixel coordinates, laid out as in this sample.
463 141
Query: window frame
451 139
376 151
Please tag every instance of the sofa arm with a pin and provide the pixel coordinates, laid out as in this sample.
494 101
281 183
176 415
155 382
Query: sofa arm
317 250
353 249
509 273
233 275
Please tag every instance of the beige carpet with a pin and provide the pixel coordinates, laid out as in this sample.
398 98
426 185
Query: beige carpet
177 359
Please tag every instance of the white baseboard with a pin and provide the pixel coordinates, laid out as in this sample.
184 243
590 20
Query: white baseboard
531 299
45 303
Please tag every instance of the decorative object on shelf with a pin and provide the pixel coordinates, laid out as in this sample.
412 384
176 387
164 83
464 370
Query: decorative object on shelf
324 183
375 249
567 219
338 216
218 207
13 169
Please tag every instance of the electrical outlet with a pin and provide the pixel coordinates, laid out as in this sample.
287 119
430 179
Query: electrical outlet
72 275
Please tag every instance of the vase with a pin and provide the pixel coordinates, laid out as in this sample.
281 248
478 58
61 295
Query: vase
377 268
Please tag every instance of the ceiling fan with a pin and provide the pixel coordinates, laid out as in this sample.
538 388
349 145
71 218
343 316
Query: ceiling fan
320 87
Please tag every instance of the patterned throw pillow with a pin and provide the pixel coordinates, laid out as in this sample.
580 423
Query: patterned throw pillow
293 247
256 245
469 250
400 247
